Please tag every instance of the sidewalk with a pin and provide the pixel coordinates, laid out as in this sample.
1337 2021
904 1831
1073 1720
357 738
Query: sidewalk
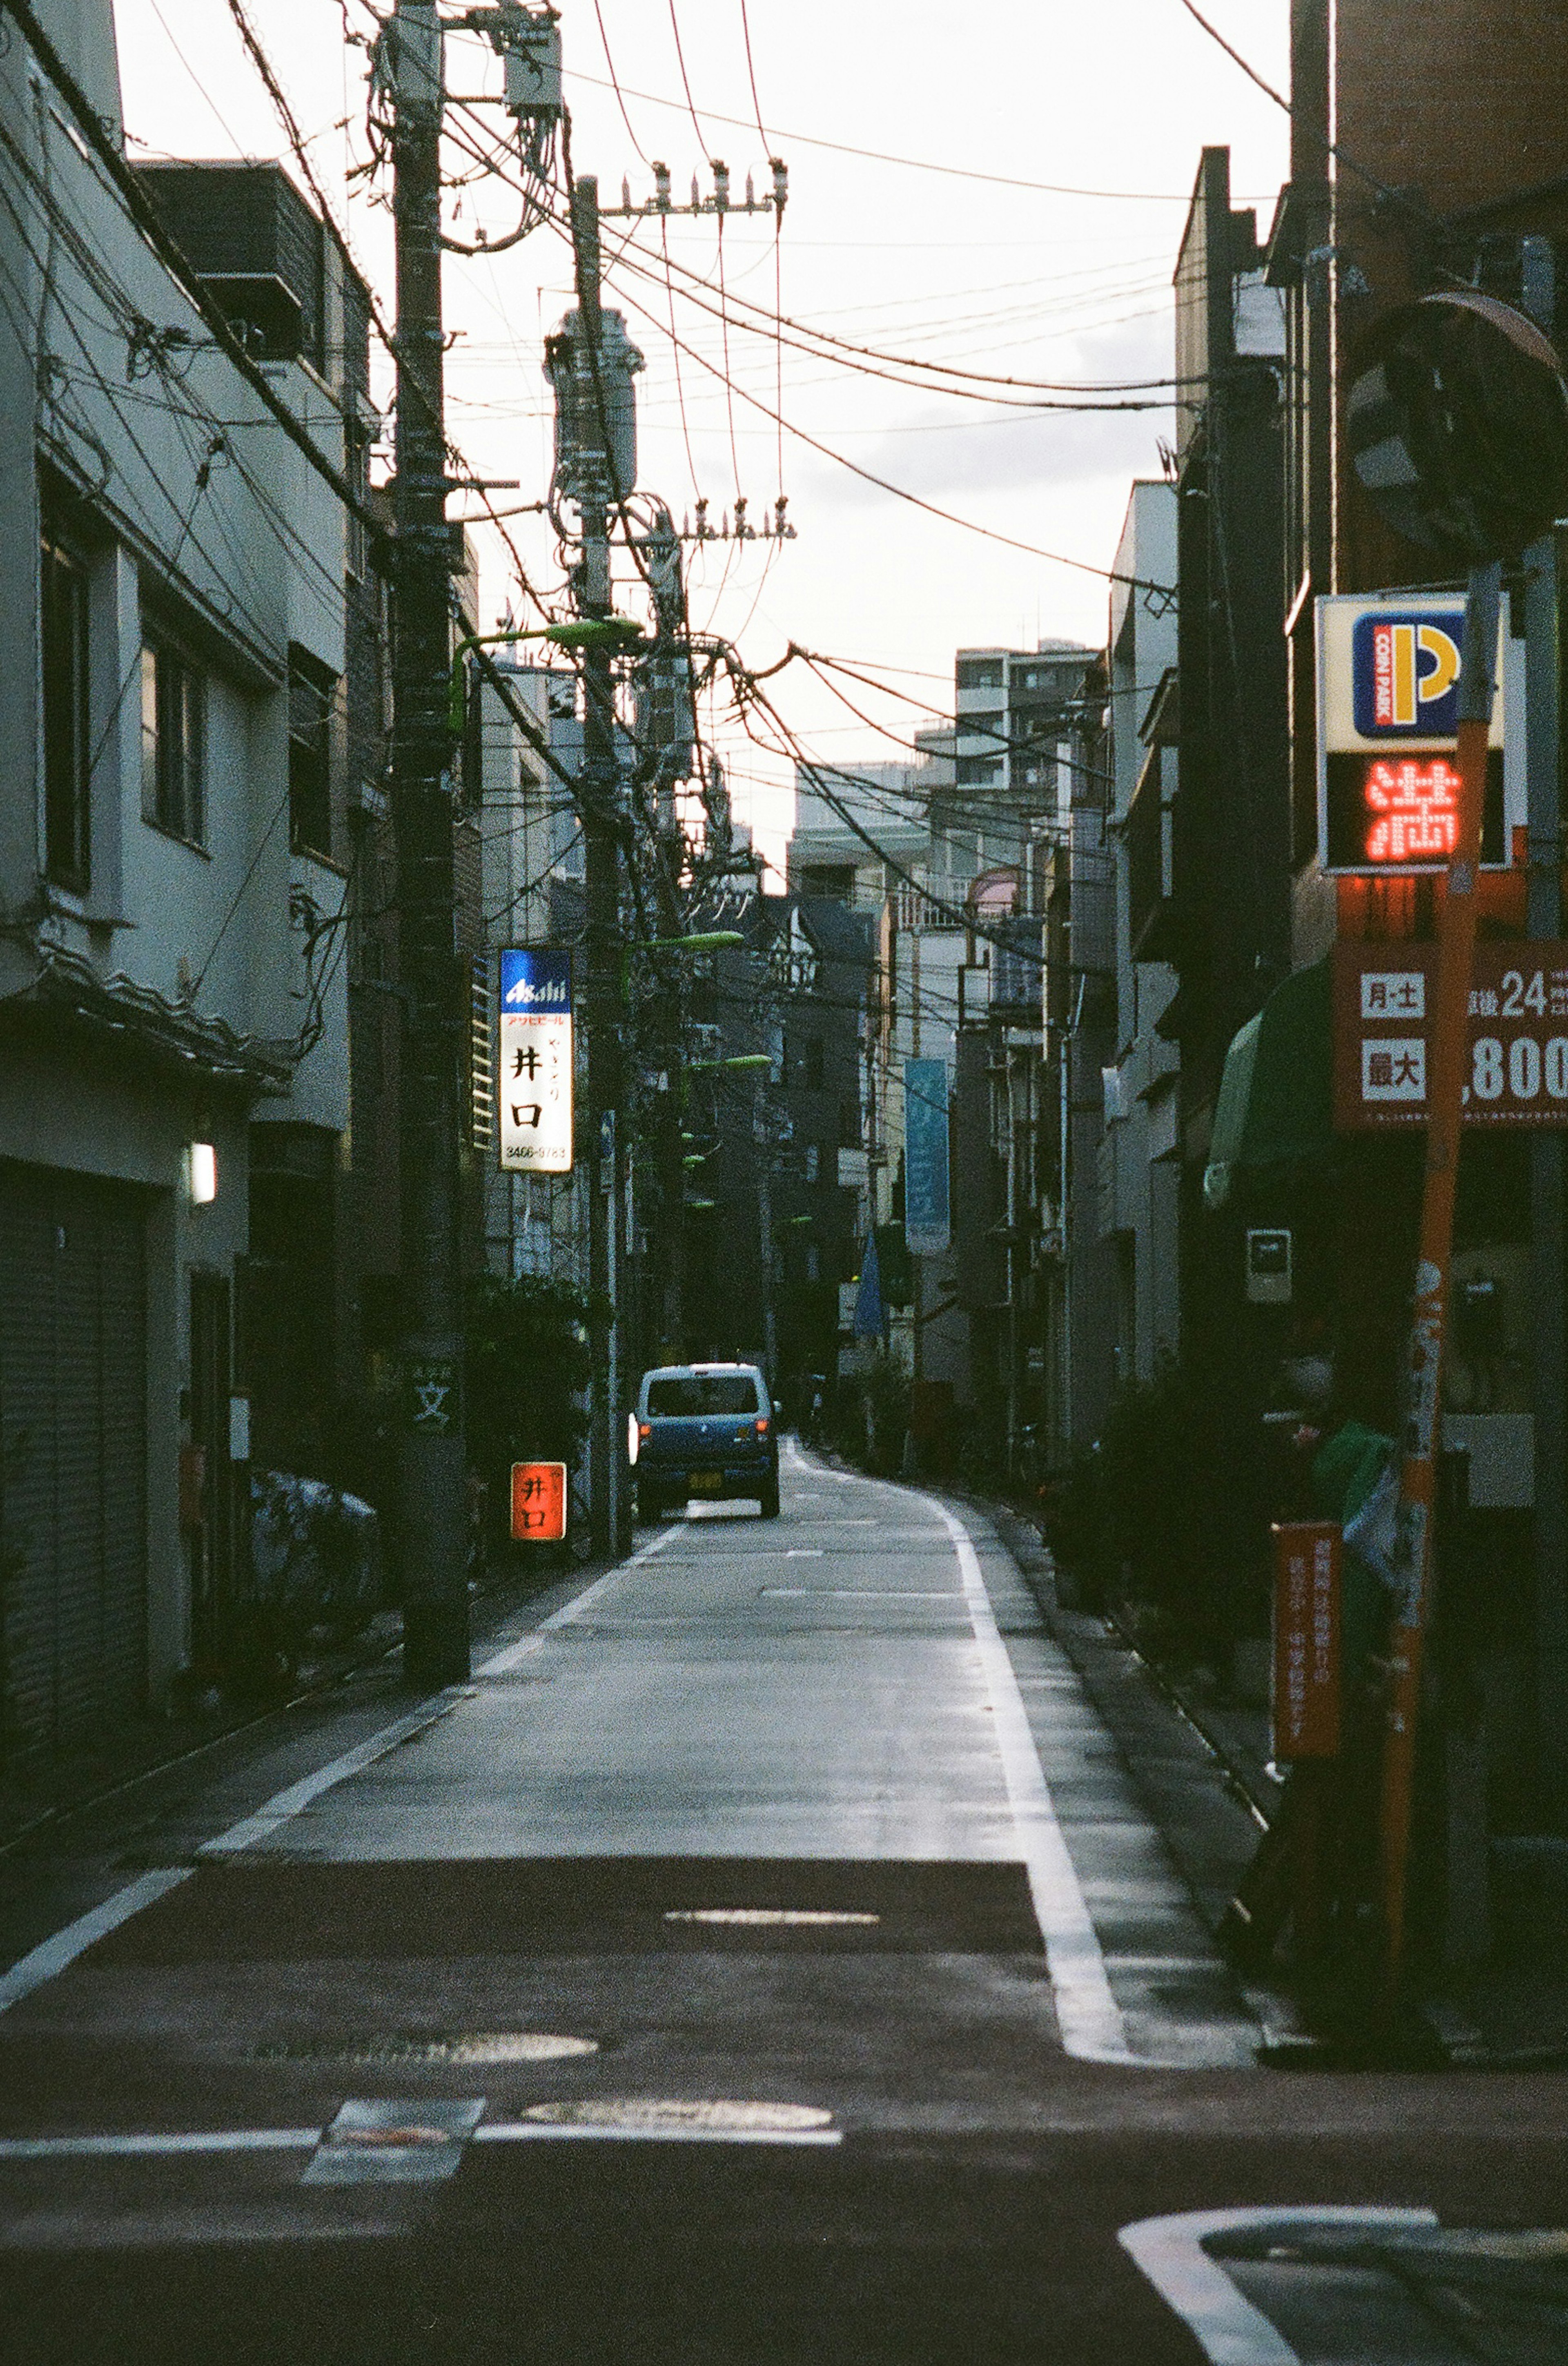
151 1745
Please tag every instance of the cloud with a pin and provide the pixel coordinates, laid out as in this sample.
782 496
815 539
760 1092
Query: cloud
950 448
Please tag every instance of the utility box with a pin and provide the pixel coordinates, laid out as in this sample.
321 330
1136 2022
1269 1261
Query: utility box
1268 1268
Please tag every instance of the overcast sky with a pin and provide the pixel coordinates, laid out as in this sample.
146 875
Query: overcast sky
1115 98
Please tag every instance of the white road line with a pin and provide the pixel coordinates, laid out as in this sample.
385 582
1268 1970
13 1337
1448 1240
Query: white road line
1197 2289
53 1955
1090 2017
501 1661
283 1808
283 1805
158 2142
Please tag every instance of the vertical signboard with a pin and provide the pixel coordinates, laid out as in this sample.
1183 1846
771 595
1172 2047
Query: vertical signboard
538 1503
1307 1654
534 1088
927 1221
1387 720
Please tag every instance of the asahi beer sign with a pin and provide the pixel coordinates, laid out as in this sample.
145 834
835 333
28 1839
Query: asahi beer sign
534 1088
1387 725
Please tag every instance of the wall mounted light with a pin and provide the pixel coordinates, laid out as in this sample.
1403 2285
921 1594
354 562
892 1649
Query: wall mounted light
203 1158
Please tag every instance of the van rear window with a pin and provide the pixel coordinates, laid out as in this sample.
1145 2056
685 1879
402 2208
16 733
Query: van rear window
699 1392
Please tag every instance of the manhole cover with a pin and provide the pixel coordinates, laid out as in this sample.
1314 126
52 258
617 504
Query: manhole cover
439 2051
769 1917
654 2113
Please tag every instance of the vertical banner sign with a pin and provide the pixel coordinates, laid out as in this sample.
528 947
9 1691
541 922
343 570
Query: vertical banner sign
1387 723
535 1087
539 1503
927 1225
1307 1655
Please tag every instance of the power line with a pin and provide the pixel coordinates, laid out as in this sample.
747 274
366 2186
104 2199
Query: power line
909 163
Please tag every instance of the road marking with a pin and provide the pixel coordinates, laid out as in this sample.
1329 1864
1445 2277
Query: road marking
663 2115
502 1661
154 2143
283 1805
856 1594
52 1956
159 2144
542 2132
789 1918
403 2141
1087 2013
1231 2331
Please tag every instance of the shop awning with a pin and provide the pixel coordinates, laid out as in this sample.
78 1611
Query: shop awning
1276 1095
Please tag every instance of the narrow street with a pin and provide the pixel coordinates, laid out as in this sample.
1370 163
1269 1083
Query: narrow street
677 1990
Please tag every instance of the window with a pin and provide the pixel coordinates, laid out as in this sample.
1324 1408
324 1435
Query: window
310 690
811 1064
990 725
173 741
979 674
978 771
67 750
356 468
833 881
685 1397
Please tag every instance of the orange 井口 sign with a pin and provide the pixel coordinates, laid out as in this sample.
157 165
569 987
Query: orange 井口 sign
539 1503
1307 1640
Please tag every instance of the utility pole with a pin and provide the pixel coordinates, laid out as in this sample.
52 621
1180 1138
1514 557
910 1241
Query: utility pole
432 1476
601 851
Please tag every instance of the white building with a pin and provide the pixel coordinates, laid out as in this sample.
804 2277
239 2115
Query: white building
172 979
1139 1159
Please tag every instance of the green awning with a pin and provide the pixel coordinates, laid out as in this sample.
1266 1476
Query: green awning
1276 1095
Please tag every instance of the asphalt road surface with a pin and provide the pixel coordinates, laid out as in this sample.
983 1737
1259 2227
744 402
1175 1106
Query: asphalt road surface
766 1958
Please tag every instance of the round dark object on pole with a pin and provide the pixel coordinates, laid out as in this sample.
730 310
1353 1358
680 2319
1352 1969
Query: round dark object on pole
1457 427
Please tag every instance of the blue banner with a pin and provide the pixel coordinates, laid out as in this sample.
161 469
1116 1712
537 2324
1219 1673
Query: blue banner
536 981
927 1223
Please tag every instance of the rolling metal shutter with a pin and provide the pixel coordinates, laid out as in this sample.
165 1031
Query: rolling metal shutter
73 1460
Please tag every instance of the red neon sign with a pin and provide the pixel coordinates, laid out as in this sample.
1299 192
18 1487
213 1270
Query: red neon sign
539 1503
1414 809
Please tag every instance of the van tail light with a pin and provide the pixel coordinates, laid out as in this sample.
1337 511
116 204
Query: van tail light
762 1429
644 1429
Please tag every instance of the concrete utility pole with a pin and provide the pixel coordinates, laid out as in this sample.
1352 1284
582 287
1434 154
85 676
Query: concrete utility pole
599 800
432 1506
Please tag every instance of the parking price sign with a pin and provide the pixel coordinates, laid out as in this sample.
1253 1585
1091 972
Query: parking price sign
1517 1061
535 1083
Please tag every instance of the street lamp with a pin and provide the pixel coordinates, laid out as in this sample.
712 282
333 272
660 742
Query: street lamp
577 633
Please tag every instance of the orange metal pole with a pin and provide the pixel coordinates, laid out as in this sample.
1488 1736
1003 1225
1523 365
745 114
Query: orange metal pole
1448 1037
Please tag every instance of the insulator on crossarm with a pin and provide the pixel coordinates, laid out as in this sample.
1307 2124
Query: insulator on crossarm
721 184
626 194
661 186
780 184
696 196
750 195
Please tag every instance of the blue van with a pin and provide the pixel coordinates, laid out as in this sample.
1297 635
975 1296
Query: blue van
707 1431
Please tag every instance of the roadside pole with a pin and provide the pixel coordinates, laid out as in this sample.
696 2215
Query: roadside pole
432 1481
602 934
1445 1103
1549 1281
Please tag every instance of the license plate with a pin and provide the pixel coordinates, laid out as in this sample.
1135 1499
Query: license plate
707 1482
